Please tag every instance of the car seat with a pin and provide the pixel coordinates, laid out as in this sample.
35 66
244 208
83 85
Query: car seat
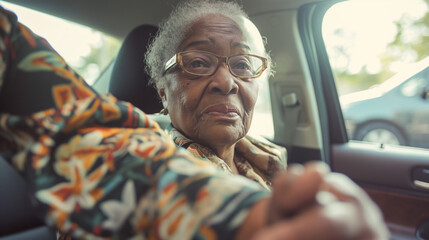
129 81
18 218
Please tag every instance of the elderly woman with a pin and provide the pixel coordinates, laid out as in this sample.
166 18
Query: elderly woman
206 63
98 168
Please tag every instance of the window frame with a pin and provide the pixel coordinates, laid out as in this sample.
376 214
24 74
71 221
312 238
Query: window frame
386 173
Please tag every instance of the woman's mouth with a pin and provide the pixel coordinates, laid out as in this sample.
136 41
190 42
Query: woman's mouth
222 112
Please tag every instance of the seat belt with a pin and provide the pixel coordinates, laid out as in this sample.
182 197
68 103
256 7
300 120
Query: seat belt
291 109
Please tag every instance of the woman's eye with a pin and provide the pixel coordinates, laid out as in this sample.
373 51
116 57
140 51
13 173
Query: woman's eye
242 65
198 63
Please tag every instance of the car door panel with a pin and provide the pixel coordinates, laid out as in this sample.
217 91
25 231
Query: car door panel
384 165
386 174
404 214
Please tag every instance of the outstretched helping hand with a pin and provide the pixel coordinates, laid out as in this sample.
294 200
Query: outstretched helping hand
310 202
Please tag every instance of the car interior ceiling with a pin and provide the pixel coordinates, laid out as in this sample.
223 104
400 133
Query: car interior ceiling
106 17
93 13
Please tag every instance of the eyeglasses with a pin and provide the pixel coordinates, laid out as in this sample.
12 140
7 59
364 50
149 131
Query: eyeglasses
203 63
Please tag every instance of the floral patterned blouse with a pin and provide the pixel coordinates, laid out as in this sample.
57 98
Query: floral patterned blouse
257 160
99 168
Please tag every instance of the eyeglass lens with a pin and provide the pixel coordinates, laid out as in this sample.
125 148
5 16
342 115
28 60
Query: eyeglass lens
205 64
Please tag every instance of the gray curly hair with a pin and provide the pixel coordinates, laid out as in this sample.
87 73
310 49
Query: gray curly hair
173 30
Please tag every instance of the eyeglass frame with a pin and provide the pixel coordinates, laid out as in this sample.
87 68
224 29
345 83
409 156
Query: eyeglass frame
177 60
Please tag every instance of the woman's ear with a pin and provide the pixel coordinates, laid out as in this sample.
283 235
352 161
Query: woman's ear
161 93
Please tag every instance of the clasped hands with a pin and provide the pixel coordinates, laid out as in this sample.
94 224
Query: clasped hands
311 202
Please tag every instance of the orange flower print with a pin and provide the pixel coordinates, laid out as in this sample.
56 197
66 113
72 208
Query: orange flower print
80 192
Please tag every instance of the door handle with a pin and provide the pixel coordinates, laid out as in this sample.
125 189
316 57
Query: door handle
420 177
422 232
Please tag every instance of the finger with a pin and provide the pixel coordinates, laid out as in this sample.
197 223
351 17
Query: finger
343 187
296 189
370 215
336 220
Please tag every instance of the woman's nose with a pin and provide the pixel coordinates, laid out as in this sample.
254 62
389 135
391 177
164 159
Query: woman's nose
223 81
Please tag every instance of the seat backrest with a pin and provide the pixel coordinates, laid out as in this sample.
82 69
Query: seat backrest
18 218
129 81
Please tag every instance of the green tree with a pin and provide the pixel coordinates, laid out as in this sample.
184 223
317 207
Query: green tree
410 43
419 45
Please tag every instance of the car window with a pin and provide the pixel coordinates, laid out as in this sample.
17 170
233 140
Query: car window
379 59
262 122
415 86
91 50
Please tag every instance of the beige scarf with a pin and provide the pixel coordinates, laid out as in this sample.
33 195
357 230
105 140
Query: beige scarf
258 160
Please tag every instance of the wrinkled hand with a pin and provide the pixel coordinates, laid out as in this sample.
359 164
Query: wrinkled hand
310 202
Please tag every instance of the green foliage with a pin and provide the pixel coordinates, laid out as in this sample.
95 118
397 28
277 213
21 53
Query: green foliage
100 55
410 42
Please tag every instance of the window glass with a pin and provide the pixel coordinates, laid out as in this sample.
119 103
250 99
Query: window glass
379 57
413 87
86 50
262 123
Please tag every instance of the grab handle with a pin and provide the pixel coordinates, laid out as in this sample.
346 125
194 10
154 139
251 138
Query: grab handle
420 177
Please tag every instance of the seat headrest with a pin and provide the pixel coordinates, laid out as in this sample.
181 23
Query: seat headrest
129 81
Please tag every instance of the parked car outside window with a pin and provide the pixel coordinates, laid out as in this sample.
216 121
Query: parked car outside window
394 112
381 67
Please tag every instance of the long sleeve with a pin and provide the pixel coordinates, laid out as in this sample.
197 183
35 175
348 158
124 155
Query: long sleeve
98 167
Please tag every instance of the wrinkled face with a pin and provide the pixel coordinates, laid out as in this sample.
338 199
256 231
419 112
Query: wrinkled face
214 110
